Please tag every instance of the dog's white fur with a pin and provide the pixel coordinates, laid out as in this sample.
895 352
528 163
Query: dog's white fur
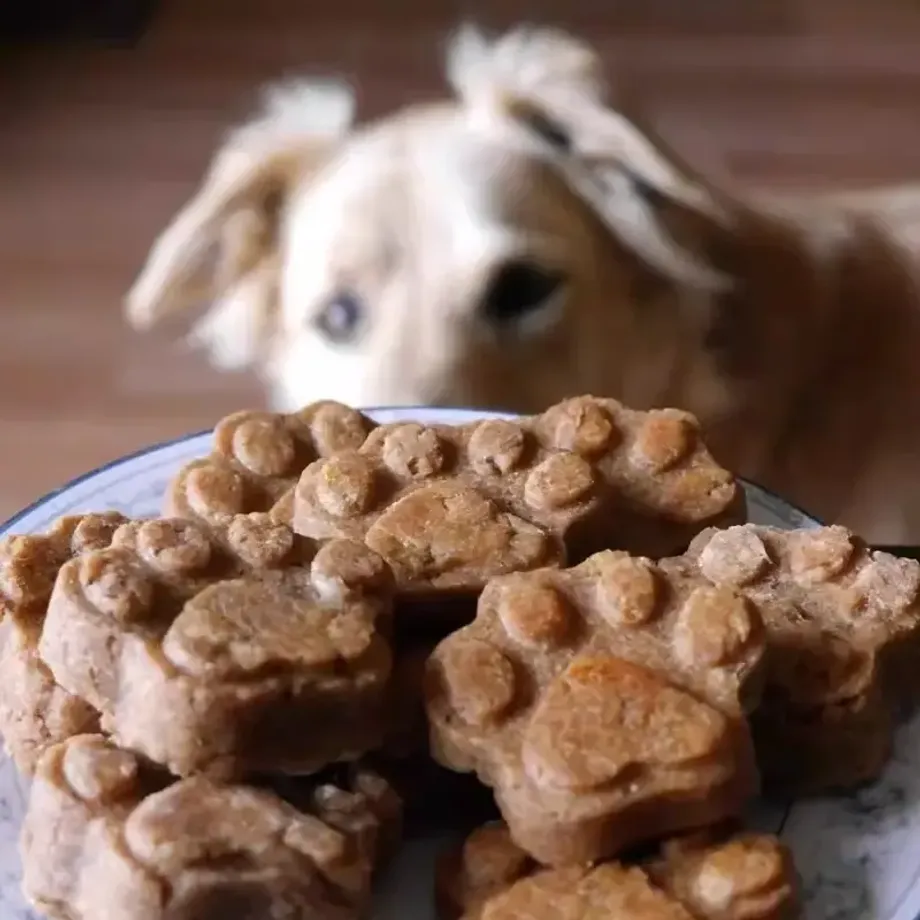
676 292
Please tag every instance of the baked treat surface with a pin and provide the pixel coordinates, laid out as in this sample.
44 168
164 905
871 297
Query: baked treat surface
35 711
604 704
107 836
723 875
717 874
192 692
256 458
450 507
663 480
245 648
843 624
485 864
414 495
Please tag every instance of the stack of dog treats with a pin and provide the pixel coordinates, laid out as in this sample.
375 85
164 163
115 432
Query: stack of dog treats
339 630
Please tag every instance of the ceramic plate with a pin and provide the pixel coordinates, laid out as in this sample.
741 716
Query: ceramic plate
859 856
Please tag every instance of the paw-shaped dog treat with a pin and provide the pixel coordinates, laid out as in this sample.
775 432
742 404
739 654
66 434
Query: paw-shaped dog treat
487 863
714 875
29 563
740 876
226 654
844 626
450 507
34 711
582 892
665 484
257 457
413 495
104 836
604 704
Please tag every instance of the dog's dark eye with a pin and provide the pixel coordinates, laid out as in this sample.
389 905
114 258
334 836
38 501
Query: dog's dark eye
340 320
547 129
519 289
644 189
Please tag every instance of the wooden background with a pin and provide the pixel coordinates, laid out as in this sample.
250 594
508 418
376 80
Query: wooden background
100 145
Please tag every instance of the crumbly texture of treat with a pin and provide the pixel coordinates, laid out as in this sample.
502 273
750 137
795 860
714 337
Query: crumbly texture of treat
449 507
843 624
706 876
230 651
34 711
257 457
104 836
604 704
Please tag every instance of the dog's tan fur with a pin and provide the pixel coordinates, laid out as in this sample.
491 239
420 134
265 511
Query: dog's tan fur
789 325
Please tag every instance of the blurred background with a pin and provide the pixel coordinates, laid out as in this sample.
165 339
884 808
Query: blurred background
110 110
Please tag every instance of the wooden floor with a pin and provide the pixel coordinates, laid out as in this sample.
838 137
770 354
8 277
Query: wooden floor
98 148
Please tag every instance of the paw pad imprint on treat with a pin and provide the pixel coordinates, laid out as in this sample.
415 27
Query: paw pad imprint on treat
718 874
843 622
715 874
208 649
654 461
441 529
602 716
35 712
29 563
581 694
188 848
257 458
585 474
413 496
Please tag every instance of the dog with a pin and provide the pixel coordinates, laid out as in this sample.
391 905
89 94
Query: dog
525 241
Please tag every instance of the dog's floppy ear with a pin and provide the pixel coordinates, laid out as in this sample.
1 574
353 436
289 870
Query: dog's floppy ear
221 247
552 85
526 63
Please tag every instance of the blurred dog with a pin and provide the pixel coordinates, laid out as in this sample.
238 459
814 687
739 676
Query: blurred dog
524 242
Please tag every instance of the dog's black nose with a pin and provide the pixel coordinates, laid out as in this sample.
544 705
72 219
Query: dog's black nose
519 289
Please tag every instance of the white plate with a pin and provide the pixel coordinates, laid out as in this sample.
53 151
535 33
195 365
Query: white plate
859 857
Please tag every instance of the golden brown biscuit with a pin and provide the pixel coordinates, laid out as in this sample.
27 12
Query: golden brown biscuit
604 704
724 876
34 711
445 536
106 836
844 628
449 507
29 563
486 863
664 483
257 457
715 875
230 651
583 893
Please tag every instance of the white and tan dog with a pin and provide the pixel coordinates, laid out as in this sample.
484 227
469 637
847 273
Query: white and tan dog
524 242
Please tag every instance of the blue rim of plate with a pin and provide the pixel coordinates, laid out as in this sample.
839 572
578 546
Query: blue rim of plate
7 525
